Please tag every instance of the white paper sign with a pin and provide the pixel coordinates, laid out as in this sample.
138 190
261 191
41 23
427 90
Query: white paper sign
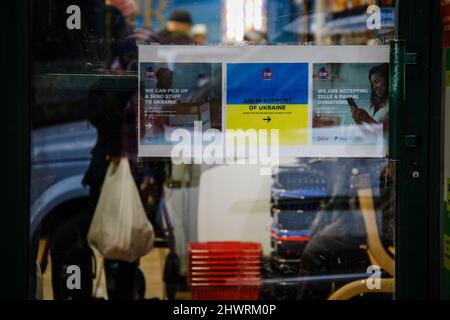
308 101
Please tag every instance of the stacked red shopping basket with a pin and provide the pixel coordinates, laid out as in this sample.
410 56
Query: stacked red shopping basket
225 270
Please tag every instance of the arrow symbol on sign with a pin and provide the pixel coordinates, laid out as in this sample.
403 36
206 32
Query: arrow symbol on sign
267 119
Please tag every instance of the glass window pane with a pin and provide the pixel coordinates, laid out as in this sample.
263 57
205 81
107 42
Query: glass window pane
315 223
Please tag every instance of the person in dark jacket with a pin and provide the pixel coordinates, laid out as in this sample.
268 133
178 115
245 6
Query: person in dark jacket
114 114
176 30
106 113
338 231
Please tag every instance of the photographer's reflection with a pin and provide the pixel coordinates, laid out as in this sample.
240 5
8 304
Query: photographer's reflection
338 234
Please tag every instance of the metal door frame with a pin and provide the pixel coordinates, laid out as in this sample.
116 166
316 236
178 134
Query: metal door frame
419 201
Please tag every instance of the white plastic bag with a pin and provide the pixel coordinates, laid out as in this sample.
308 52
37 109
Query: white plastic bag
120 229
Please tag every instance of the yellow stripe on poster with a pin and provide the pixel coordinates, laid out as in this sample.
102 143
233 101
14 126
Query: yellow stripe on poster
291 121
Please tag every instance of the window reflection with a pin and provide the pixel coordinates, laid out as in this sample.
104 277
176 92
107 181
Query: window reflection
85 111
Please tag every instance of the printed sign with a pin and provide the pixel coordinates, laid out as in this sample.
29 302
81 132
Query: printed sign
269 96
176 96
308 101
350 103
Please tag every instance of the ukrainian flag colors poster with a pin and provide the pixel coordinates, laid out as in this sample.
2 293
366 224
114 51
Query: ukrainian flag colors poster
302 101
269 96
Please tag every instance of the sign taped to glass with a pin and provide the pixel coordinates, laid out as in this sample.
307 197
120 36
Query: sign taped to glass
323 101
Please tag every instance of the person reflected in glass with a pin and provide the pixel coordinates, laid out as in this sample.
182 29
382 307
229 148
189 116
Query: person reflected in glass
199 34
114 114
176 30
202 89
335 254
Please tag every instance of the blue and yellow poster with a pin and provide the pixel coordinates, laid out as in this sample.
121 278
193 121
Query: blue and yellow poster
302 101
350 104
269 96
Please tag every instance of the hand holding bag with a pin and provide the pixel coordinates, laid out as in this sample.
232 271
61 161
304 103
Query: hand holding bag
120 229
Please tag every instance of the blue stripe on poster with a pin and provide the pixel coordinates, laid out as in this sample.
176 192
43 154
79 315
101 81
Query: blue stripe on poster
266 81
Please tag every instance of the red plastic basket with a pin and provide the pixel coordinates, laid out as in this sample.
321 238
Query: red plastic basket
228 256
225 273
223 262
236 280
226 293
225 270
249 267
224 247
